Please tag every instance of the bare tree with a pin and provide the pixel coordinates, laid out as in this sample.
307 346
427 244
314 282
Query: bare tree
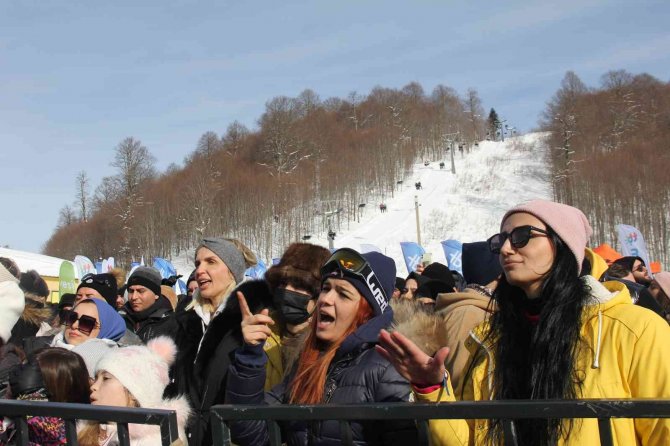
82 195
135 166
66 216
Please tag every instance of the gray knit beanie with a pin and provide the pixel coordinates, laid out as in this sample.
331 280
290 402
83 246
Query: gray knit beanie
227 252
148 277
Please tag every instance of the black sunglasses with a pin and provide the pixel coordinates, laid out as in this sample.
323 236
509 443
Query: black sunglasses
86 323
519 238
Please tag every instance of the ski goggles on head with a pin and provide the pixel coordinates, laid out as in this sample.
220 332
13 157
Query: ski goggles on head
518 237
347 262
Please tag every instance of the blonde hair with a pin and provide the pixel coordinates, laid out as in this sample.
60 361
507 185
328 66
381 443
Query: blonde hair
89 435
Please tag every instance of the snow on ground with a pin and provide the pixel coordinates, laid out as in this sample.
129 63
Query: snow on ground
466 206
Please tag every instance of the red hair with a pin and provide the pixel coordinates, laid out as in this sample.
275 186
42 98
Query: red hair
310 377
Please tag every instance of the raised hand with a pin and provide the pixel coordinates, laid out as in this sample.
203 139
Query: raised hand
410 361
255 329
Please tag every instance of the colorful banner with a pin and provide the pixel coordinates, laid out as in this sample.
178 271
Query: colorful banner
453 251
632 243
411 252
84 266
66 279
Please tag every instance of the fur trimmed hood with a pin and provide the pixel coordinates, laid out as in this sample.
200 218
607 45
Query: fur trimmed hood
427 330
150 435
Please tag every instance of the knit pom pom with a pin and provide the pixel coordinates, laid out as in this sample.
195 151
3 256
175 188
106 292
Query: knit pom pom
164 347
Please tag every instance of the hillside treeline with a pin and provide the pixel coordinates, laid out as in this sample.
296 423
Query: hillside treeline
610 154
308 167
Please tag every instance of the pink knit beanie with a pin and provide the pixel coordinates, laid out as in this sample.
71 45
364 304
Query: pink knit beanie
568 222
663 280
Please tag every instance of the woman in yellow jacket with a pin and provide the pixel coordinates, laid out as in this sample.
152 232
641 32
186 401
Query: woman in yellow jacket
557 334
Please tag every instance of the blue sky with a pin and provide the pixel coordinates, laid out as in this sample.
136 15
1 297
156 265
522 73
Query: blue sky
77 77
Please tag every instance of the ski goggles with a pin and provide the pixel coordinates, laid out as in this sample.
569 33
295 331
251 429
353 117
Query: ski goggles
86 323
349 263
518 237
98 279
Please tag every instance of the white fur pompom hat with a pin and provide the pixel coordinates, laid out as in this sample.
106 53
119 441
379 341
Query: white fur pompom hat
142 370
12 302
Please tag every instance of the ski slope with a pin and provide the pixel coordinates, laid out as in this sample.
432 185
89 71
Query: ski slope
465 206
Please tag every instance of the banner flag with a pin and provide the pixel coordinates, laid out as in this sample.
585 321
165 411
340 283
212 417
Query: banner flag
66 279
257 271
411 252
453 250
164 267
632 243
84 266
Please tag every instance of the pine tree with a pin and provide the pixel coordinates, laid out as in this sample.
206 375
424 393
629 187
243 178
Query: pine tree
493 124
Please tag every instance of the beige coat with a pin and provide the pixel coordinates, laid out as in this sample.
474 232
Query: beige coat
460 313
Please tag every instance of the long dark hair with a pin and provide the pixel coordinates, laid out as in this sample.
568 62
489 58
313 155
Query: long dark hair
537 361
65 375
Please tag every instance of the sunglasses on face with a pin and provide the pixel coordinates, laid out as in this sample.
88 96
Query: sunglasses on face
86 323
519 238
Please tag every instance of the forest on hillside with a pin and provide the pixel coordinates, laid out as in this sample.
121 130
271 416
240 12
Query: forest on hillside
310 165
610 154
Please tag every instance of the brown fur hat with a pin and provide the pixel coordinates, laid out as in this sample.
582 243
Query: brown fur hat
300 267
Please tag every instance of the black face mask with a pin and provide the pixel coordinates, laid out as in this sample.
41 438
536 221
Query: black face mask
292 306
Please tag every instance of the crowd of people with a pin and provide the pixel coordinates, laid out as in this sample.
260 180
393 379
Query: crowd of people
534 315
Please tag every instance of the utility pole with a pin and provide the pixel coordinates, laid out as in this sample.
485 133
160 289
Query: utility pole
453 166
418 226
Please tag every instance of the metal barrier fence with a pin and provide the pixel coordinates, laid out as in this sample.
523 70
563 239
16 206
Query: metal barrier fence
603 410
70 413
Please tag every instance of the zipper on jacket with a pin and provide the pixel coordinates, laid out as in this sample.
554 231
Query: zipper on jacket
330 389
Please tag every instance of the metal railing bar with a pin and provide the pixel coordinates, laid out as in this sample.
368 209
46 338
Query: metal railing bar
510 433
274 433
220 430
14 408
21 426
346 435
517 409
71 432
423 435
605 431
123 434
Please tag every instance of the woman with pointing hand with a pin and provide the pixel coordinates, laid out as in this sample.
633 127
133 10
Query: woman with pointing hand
338 363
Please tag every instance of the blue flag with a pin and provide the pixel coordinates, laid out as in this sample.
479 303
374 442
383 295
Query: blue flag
632 243
164 267
412 253
257 271
453 250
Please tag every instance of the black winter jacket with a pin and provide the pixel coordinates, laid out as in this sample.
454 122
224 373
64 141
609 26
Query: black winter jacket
203 357
357 375
157 320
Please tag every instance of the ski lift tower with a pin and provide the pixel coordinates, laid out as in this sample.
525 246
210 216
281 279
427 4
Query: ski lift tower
331 234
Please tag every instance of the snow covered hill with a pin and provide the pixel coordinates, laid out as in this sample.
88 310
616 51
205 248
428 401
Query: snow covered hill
466 206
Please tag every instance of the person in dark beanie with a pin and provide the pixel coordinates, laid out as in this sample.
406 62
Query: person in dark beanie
399 287
147 313
438 280
481 268
294 284
338 363
98 286
36 316
208 330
